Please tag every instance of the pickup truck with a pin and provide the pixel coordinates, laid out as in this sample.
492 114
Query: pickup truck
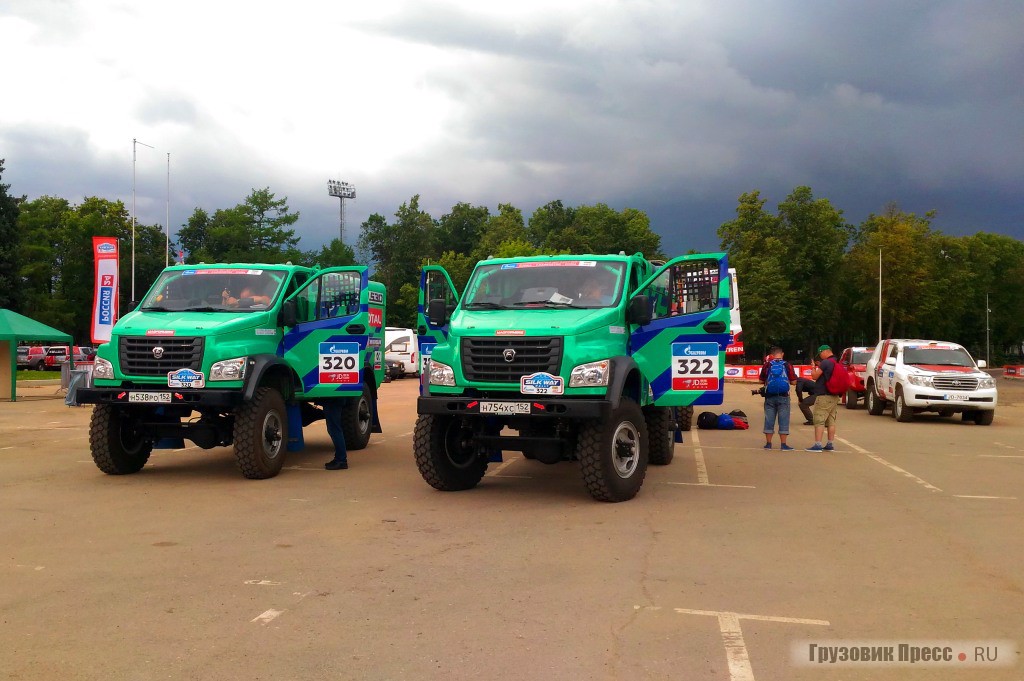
925 375
855 360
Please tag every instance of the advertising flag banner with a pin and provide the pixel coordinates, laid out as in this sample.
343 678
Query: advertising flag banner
104 303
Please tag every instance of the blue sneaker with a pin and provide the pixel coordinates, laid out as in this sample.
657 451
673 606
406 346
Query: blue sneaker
828 447
816 448
786 448
767 445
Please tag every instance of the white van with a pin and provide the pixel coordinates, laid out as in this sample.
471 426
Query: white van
402 345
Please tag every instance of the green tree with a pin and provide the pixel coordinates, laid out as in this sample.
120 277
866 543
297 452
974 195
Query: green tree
269 222
193 234
334 254
507 225
10 236
459 230
548 226
459 266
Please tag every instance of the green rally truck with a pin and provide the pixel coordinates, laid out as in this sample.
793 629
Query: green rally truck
238 354
530 359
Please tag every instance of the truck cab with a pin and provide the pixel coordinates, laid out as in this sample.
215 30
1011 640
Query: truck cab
568 358
237 354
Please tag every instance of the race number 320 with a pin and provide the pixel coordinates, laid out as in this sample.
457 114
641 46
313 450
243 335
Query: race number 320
339 363
695 366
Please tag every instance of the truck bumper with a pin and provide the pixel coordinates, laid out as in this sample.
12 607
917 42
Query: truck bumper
487 406
141 397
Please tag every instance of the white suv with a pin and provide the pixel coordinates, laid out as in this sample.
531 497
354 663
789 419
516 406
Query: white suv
923 375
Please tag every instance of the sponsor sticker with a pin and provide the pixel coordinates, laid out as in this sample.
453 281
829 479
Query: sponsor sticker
373 342
339 363
266 332
106 307
160 332
510 332
695 366
185 378
549 263
733 372
541 383
376 317
376 297
106 248
617 329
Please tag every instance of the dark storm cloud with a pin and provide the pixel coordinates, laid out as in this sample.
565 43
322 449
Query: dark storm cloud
678 110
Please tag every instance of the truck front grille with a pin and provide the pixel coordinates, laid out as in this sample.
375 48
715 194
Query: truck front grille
955 383
487 359
137 356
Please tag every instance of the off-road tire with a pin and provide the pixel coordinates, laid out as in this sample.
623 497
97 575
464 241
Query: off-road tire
39 366
900 411
261 435
875 404
117 443
685 418
613 453
357 421
446 460
851 399
984 418
661 434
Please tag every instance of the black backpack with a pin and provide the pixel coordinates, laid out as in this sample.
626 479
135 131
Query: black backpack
707 420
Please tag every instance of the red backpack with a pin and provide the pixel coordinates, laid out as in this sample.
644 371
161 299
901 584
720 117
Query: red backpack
839 382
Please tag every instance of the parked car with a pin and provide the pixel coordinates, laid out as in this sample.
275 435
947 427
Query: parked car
58 354
855 360
395 369
32 357
925 375
402 345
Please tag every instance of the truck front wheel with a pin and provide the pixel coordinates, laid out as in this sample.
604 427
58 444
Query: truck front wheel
356 421
261 435
118 444
613 453
875 404
661 431
446 455
685 418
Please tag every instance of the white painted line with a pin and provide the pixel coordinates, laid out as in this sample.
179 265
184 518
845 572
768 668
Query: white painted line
732 637
298 500
3 448
262 582
267 617
987 456
698 455
185 449
300 468
709 484
905 473
972 496
502 467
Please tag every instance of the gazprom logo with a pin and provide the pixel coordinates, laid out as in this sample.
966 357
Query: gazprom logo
695 349
106 248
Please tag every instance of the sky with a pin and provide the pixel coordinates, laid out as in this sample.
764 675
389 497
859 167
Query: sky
673 107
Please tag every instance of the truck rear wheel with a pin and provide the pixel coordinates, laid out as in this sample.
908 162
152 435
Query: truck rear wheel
876 405
261 435
685 418
357 420
445 455
661 432
117 442
851 399
613 453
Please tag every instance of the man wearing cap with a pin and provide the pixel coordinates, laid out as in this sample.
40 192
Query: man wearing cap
826 405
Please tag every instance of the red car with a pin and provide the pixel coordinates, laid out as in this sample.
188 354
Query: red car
58 354
855 360
32 357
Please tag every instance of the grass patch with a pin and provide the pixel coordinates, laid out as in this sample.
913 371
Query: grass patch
27 375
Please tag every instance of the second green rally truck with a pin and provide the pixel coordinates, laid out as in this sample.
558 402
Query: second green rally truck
238 354
589 358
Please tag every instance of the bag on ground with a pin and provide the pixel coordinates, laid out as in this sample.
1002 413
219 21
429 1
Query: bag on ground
707 420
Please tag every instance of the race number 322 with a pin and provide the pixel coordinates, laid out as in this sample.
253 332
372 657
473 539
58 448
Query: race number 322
339 363
695 366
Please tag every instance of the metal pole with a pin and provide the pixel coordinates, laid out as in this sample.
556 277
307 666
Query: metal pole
341 228
134 142
988 360
879 294
167 248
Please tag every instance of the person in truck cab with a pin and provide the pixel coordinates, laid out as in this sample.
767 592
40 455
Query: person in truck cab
254 290
595 292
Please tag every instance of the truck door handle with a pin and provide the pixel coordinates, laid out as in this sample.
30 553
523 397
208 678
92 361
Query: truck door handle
355 329
714 327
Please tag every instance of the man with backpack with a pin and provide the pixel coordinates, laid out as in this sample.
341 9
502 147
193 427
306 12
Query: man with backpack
830 382
777 375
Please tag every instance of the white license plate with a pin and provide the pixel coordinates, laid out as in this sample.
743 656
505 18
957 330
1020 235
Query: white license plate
954 397
149 397
504 407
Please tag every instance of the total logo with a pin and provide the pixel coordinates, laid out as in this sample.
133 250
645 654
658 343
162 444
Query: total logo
106 248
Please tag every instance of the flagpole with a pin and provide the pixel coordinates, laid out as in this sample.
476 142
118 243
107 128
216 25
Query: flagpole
879 294
167 223
134 142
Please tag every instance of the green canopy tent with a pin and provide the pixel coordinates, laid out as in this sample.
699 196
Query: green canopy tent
15 328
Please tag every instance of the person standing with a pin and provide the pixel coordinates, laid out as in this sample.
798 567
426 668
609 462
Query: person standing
333 409
776 375
826 405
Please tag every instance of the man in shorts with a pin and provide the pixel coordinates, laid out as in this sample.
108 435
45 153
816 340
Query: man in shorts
826 405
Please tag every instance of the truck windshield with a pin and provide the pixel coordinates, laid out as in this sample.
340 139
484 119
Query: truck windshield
545 283
937 356
213 290
860 357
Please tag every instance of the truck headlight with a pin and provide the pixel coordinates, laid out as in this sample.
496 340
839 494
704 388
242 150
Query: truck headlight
591 374
228 369
987 382
441 374
925 381
101 368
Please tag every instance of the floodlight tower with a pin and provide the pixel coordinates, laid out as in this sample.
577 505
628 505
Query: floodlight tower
343 190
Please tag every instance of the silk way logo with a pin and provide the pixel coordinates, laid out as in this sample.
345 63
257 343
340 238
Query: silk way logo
541 383
106 248
186 375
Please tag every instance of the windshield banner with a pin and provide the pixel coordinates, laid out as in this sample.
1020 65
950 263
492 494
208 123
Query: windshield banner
104 302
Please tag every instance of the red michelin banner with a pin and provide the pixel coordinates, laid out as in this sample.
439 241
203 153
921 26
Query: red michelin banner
104 302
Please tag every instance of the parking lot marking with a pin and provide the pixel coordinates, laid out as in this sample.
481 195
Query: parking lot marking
709 484
698 455
267 617
262 582
927 485
973 496
5 448
501 467
732 637
987 456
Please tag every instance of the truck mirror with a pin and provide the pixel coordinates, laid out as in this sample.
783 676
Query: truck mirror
982 364
289 313
639 311
437 312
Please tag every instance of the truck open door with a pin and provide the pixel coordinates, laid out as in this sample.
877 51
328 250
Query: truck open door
435 284
680 328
